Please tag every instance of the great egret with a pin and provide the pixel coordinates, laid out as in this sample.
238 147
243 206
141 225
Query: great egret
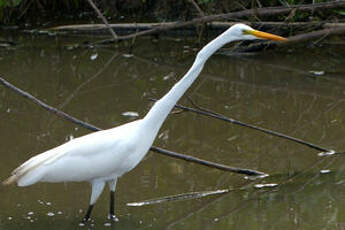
104 156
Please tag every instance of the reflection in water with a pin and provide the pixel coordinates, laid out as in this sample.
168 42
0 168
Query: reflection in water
272 90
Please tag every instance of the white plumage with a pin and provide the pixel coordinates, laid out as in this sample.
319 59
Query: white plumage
88 157
104 156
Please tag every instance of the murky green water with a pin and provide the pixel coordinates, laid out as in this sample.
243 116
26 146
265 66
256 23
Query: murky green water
274 90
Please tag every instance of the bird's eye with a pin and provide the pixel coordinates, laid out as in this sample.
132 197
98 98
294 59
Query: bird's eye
245 32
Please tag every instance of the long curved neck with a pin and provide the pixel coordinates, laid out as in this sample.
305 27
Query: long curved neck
160 110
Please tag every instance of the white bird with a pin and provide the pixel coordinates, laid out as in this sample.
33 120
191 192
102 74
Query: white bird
102 157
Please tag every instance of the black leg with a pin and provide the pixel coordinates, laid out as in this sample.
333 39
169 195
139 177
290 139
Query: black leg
111 211
87 215
112 201
112 186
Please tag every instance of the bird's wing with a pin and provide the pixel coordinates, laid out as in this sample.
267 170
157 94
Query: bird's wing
90 144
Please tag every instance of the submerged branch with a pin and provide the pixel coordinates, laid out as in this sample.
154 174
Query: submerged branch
219 116
179 197
153 148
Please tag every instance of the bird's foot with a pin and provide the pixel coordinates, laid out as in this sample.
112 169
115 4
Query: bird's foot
85 221
82 223
113 218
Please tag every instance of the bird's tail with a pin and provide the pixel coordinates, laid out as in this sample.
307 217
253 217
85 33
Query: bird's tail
29 172
10 180
25 176
33 169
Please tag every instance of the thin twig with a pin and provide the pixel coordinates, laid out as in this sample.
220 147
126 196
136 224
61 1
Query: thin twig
99 72
249 172
196 6
48 107
267 131
103 19
153 148
206 112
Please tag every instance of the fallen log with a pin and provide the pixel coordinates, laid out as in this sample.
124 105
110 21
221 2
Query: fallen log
267 11
216 27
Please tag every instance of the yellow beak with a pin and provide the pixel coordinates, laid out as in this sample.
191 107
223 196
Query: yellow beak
264 35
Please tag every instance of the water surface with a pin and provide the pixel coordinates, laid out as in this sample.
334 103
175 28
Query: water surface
275 90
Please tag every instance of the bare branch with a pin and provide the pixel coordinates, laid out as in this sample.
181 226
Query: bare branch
153 148
209 113
103 19
201 13
213 26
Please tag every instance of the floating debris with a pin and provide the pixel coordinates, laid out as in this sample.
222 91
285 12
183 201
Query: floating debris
317 73
170 75
59 213
52 33
322 154
48 203
107 224
40 202
113 218
72 47
10 218
30 213
256 177
127 55
94 56
50 214
81 224
130 114
325 171
184 196
272 185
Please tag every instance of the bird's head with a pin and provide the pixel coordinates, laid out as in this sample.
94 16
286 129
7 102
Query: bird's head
244 32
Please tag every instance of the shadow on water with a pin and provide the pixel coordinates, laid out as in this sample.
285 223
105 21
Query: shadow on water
300 93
